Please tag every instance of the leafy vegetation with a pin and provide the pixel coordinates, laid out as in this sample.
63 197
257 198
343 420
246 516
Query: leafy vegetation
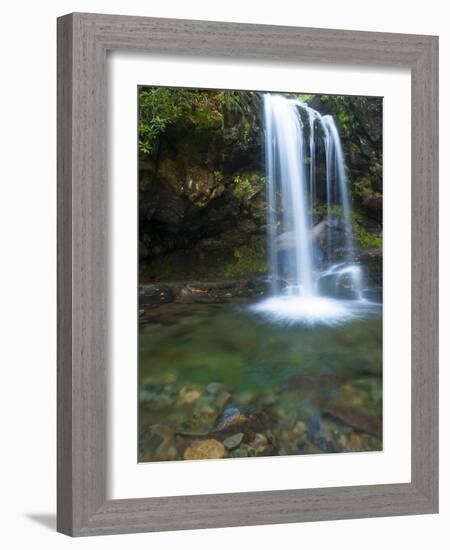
246 186
365 238
161 107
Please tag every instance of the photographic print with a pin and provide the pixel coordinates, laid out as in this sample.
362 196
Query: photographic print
260 274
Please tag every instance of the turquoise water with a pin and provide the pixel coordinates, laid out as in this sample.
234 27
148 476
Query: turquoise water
197 361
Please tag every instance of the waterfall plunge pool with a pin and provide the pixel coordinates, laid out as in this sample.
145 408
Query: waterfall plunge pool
197 360
314 310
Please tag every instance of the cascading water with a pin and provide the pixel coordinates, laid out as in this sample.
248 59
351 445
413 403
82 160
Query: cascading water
292 248
304 257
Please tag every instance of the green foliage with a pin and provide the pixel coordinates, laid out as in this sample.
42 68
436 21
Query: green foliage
157 109
218 177
306 98
349 111
366 239
242 187
246 186
162 107
237 105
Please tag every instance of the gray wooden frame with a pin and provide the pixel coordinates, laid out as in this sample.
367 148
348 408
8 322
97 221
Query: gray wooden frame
83 40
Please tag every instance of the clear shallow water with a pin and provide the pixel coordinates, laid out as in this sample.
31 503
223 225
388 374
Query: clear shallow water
200 360
207 343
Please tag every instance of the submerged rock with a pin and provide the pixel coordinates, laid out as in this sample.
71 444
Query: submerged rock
156 438
215 387
299 429
191 397
269 399
356 418
259 443
155 294
201 450
230 417
233 441
355 443
243 451
222 399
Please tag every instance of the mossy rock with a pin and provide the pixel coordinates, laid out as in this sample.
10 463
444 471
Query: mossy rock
248 259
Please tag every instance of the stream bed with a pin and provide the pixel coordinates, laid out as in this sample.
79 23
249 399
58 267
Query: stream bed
217 380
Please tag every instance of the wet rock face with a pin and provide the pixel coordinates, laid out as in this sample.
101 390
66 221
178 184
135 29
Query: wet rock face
360 125
203 178
156 294
202 187
197 183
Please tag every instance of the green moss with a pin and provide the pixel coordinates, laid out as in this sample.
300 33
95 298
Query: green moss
249 259
247 185
218 177
162 107
366 239
245 131
363 187
186 265
305 97
321 211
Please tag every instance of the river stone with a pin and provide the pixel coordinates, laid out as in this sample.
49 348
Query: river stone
207 410
355 443
349 392
230 417
244 397
155 437
161 401
215 387
191 397
201 450
259 443
269 399
356 418
233 441
169 378
222 399
299 429
155 294
243 451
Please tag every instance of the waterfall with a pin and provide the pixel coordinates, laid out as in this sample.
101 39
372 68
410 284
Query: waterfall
336 147
304 257
288 200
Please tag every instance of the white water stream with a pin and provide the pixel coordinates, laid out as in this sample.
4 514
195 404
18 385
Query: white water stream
313 274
